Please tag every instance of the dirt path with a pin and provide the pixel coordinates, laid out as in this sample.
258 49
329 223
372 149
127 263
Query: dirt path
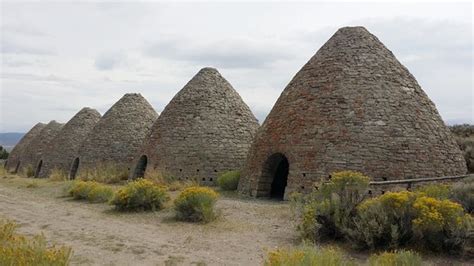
98 235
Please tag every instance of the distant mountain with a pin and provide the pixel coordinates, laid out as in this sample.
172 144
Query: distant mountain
10 139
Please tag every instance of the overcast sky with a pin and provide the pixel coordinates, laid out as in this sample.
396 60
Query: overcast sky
57 58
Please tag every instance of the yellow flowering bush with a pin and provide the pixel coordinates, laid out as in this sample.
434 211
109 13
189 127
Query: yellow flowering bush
397 258
307 255
196 204
140 195
91 191
17 249
403 218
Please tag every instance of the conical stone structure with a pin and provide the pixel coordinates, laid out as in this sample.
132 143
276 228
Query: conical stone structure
206 129
64 152
14 159
353 106
119 134
40 146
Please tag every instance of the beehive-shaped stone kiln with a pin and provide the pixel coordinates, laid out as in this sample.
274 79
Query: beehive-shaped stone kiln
352 106
39 146
64 152
119 134
206 129
14 159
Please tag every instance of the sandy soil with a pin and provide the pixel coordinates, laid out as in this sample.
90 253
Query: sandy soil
244 232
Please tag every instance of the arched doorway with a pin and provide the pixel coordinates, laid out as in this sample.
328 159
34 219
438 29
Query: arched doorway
140 168
73 170
274 177
38 168
17 167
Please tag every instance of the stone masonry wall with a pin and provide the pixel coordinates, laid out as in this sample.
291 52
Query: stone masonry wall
65 146
15 155
353 106
205 130
119 134
40 145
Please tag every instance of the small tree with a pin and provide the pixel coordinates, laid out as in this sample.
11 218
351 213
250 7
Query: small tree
3 153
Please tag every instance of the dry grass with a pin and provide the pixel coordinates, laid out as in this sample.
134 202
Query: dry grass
170 182
104 173
58 175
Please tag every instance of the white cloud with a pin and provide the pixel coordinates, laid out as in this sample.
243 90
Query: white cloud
59 57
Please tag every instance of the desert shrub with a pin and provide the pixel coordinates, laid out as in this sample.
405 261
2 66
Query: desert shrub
172 183
398 219
229 180
17 249
307 255
437 191
104 173
196 204
327 210
57 175
29 171
141 194
91 191
397 258
463 193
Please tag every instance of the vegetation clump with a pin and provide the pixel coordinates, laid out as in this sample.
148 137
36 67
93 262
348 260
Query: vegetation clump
171 182
16 249
91 191
57 175
340 209
307 255
397 258
328 210
29 171
196 204
3 153
140 195
229 180
104 173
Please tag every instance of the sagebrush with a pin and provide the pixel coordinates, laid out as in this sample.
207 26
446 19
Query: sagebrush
140 195
196 204
16 249
229 180
91 191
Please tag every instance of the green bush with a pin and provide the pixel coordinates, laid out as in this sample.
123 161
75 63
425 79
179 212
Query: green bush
437 191
339 209
229 180
398 258
307 256
29 171
196 204
399 219
463 193
140 195
91 191
327 211
18 249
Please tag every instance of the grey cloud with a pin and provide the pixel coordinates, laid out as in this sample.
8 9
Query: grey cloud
22 29
234 53
32 77
11 47
109 61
